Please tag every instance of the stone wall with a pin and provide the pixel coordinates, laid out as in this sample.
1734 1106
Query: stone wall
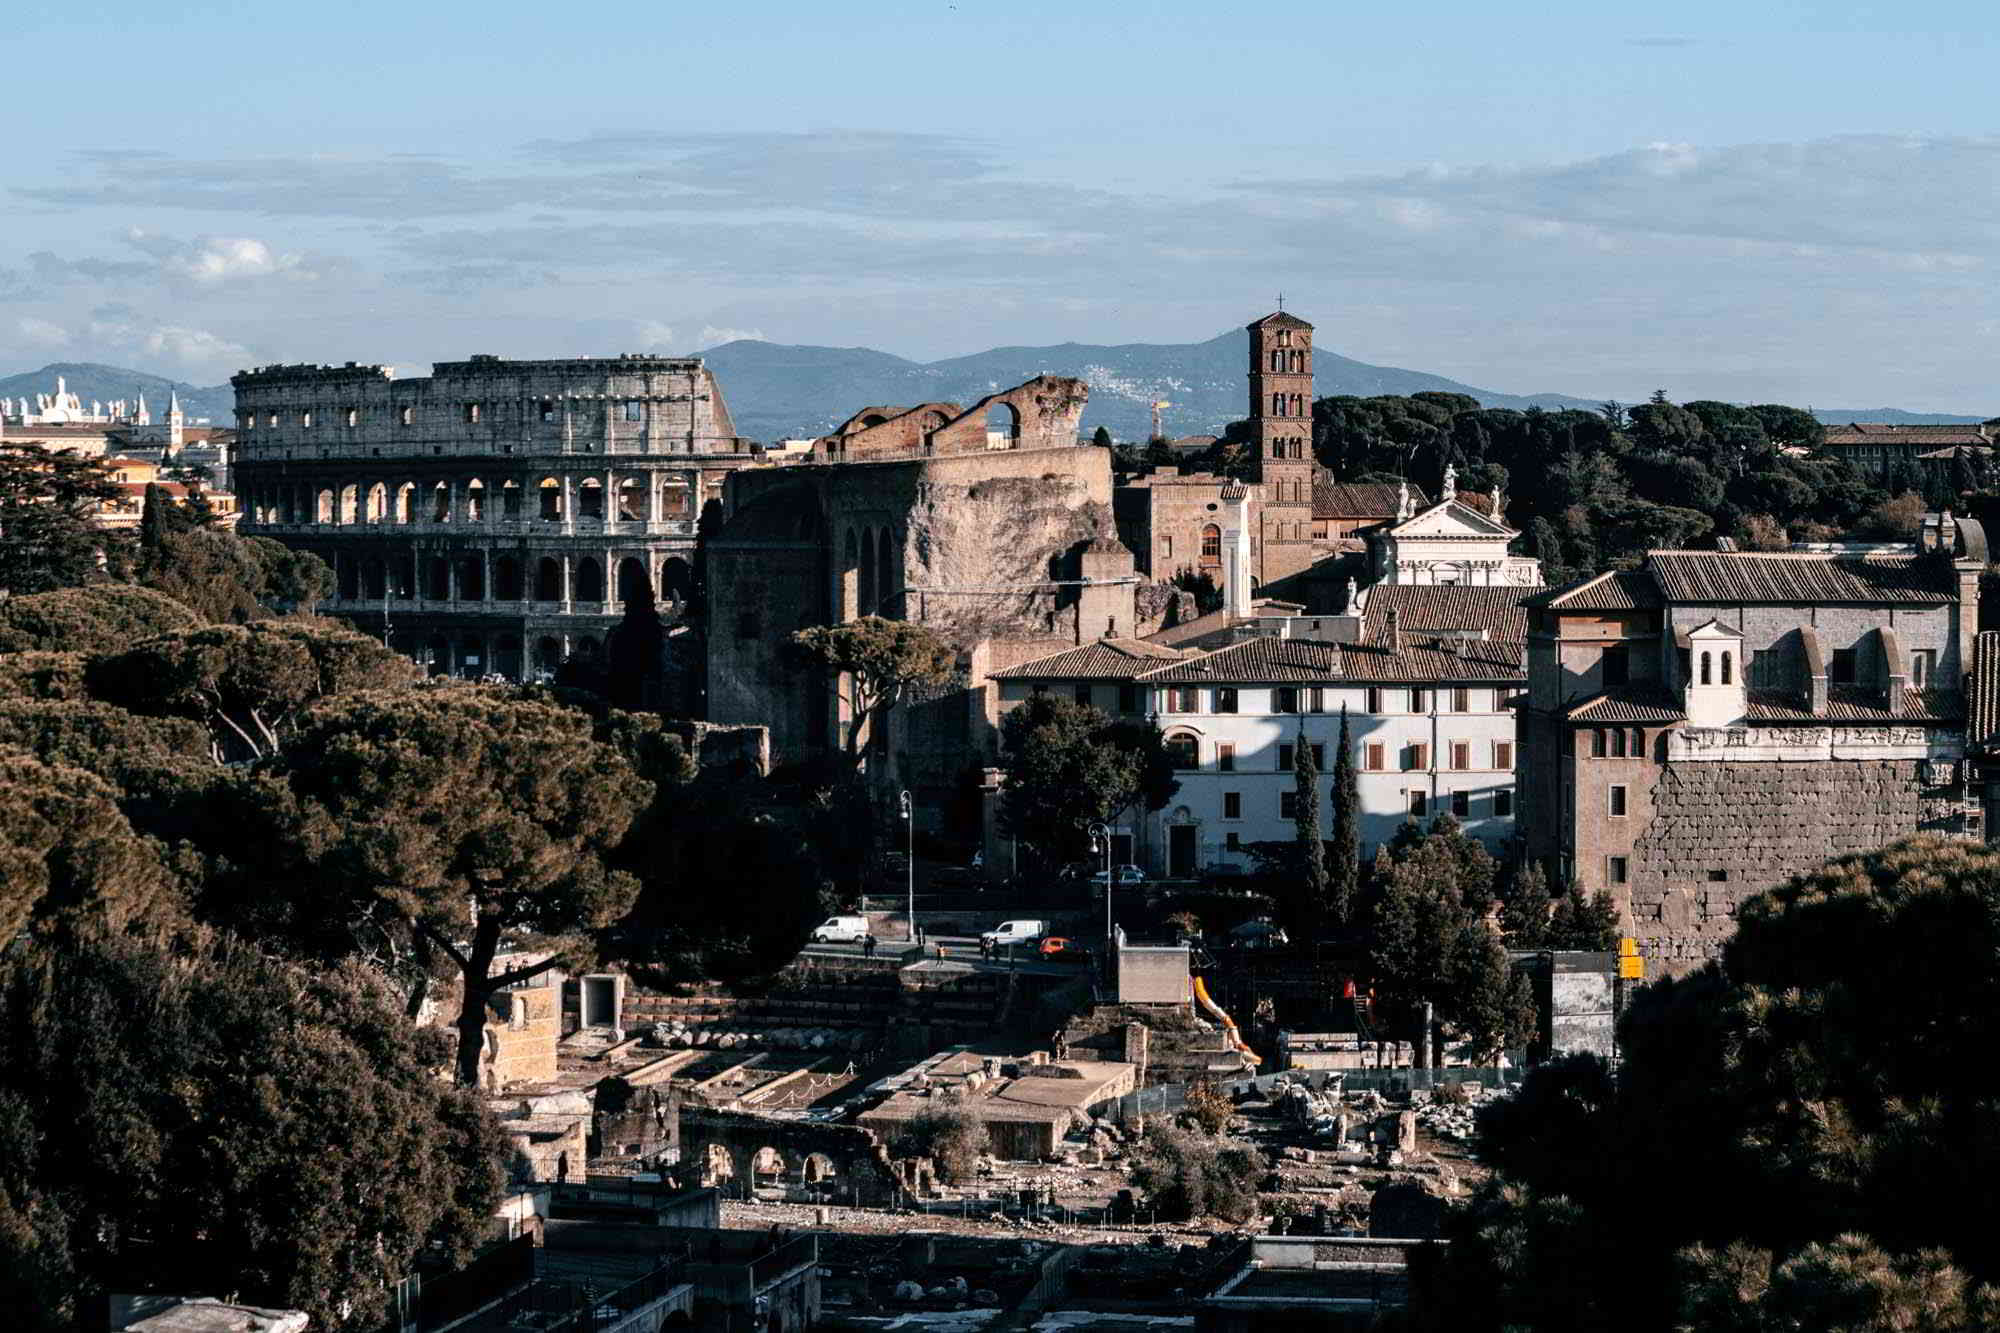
1723 832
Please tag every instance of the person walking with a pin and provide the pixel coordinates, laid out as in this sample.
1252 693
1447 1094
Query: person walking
868 945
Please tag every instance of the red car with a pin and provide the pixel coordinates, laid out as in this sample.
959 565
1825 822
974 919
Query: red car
1058 949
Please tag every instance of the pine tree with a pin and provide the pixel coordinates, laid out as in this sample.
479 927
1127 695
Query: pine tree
156 523
1305 820
1528 908
1584 923
1344 874
1102 439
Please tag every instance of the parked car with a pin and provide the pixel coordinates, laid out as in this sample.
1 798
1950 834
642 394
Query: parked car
1120 875
841 930
1061 949
1025 931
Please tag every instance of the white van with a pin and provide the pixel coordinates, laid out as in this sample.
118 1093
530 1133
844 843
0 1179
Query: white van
1015 932
841 930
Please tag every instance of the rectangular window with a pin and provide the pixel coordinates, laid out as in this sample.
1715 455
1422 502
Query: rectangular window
1233 841
1317 703
1375 694
1617 801
1461 701
1185 752
635 412
1617 665
1374 757
1461 804
1225 758
1503 755
1285 758
1420 803
548 410
1081 693
1420 701
1186 700
1416 756
1596 744
1718 877
1288 805
472 414
1128 698
1232 805
1286 700
1225 698
1615 870
1923 668
1841 669
1461 755
1503 805
1319 758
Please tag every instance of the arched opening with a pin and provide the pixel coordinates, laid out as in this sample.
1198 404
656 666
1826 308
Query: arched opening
350 504
510 499
437 656
588 649
471 657
849 574
632 578
674 500
872 419
472 578
632 500
403 575
1705 672
1728 673
507 656
1277 404
548 579
1003 426
676 579
590 499
887 575
1211 543
346 576
378 503
548 654
441 502
323 507
475 501
375 580
865 598
437 579
1298 363
506 579
1277 359
818 1169
717 1167
767 1170
406 502
551 509
588 583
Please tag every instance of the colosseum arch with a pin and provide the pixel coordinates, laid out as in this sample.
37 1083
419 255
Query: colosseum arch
475 501
676 578
346 578
437 579
632 501
472 578
548 653
378 503
507 656
818 1168
718 1168
441 502
350 504
587 583
1003 426
632 578
588 649
548 579
506 579
437 655
590 499
375 579
767 1169
550 506
406 502
510 499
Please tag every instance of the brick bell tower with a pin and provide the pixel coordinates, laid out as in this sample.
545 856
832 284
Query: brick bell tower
1281 398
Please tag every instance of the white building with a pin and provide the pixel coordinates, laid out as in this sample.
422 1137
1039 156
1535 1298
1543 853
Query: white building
1450 542
1429 690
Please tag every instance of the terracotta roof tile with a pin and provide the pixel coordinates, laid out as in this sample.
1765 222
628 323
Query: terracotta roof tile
1849 704
1310 661
1106 659
1332 499
1885 432
1794 577
1420 607
1613 590
1984 689
1629 703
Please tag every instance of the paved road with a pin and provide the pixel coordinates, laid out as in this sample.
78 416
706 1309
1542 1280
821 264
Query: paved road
957 949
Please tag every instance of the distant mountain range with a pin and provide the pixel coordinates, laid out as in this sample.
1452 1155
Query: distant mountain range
775 391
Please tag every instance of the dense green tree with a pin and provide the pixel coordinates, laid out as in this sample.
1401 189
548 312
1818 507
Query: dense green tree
1583 921
1433 891
248 684
1344 868
1188 1174
1492 1005
875 662
38 675
69 860
49 499
1529 908
482 821
187 1114
101 618
1067 765
1102 438
1314 886
951 1136
1812 1097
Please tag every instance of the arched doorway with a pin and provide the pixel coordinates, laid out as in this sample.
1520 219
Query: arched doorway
767 1171
632 578
548 654
506 579
588 584
676 579
548 579
472 579
1003 426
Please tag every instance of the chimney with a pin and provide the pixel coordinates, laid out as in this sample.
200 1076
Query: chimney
1395 631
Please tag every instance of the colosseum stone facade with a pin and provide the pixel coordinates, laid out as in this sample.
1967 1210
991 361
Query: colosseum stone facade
495 516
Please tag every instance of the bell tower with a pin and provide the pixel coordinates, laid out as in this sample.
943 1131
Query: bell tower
1281 397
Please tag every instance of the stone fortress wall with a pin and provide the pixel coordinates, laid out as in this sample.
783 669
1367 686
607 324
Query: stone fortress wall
494 515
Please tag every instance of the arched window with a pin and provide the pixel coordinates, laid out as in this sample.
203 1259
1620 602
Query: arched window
1618 743
1184 750
441 502
631 578
437 655
1277 360
378 503
507 656
1211 542
475 501
375 580
1705 673
1727 672
865 597
590 499
1277 404
350 504
346 576
510 499
323 507
548 653
1298 363
676 578
1003 426
406 502
506 579
887 575
403 575
551 504
437 579
632 500
472 579
548 580
472 661
588 585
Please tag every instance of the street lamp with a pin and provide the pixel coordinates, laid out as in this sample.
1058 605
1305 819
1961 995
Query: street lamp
1100 841
909 857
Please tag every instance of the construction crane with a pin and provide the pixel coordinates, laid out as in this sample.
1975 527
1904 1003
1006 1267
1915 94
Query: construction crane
1159 407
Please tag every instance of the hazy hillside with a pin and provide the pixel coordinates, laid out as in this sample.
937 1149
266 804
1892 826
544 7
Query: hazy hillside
88 380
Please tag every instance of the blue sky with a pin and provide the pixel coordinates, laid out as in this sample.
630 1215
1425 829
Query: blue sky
1790 202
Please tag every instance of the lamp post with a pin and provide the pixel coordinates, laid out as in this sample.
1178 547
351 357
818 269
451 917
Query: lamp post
909 857
1100 841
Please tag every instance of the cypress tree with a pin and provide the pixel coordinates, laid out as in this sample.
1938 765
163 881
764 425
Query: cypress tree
1344 874
1305 818
156 522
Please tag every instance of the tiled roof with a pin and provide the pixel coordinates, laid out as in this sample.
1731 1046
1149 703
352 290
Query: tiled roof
1331 499
1614 590
1883 432
1281 319
1983 689
1309 661
1629 703
1848 704
1421 607
1795 577
1106 659
1958 450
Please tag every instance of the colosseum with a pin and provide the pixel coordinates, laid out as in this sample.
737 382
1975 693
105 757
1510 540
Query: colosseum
493 517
